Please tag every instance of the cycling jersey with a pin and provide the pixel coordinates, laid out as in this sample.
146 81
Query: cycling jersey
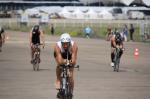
35 37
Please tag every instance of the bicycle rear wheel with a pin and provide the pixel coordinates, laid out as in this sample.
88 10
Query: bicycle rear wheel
116 61
36 63
36 67
117 64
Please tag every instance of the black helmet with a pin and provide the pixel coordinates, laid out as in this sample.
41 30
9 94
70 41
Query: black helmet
36 28
118 37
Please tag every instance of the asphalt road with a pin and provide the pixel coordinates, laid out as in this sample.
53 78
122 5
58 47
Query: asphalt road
95 80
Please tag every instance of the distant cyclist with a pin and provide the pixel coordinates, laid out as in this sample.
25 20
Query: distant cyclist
116 41
64 45
36 37
2 37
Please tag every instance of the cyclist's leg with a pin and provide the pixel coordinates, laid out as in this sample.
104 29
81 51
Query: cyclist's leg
120 53
39 55
32 53
112 56
58 75
72 77
0 44
58 80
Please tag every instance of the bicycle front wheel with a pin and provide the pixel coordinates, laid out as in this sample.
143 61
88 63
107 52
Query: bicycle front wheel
36 64
117 64
116 61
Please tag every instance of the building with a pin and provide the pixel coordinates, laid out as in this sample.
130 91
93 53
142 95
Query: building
7 5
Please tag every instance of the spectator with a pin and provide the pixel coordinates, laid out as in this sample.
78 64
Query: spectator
109 33
52 29
125 33
131 32
88 31
142 30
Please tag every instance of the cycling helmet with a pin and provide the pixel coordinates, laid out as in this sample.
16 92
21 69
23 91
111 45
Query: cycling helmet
118 37
65 37
36 27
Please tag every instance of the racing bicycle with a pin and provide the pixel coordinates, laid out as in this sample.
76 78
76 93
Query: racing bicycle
66 91
117 59
36 57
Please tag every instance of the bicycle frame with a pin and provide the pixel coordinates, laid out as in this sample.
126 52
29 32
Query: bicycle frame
65 86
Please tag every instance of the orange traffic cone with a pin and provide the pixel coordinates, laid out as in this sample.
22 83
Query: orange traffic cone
136 52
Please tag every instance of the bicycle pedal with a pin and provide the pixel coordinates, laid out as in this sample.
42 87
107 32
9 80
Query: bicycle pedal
58 95
71 95
32 61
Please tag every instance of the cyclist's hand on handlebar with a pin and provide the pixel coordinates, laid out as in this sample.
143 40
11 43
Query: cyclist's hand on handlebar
71 63
64 61
67 62
123 49
117 46
43 45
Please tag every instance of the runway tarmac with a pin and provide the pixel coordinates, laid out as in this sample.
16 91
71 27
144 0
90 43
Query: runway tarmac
94 80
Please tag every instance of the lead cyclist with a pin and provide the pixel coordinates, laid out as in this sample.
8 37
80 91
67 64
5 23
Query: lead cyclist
62 47
116 41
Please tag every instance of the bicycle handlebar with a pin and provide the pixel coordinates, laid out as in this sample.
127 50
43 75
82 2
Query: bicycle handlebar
77 66
39 44
68 66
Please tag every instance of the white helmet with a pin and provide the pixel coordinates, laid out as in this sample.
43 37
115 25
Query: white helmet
65 37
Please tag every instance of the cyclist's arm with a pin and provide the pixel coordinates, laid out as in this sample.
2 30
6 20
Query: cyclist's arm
30 38
113 41
59 59
3 37
74 54
121 45
42 37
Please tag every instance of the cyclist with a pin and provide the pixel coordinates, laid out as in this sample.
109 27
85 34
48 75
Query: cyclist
2 37
36 37
116 41
60 53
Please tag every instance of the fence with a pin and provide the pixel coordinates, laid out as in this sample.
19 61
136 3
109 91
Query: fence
142 27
